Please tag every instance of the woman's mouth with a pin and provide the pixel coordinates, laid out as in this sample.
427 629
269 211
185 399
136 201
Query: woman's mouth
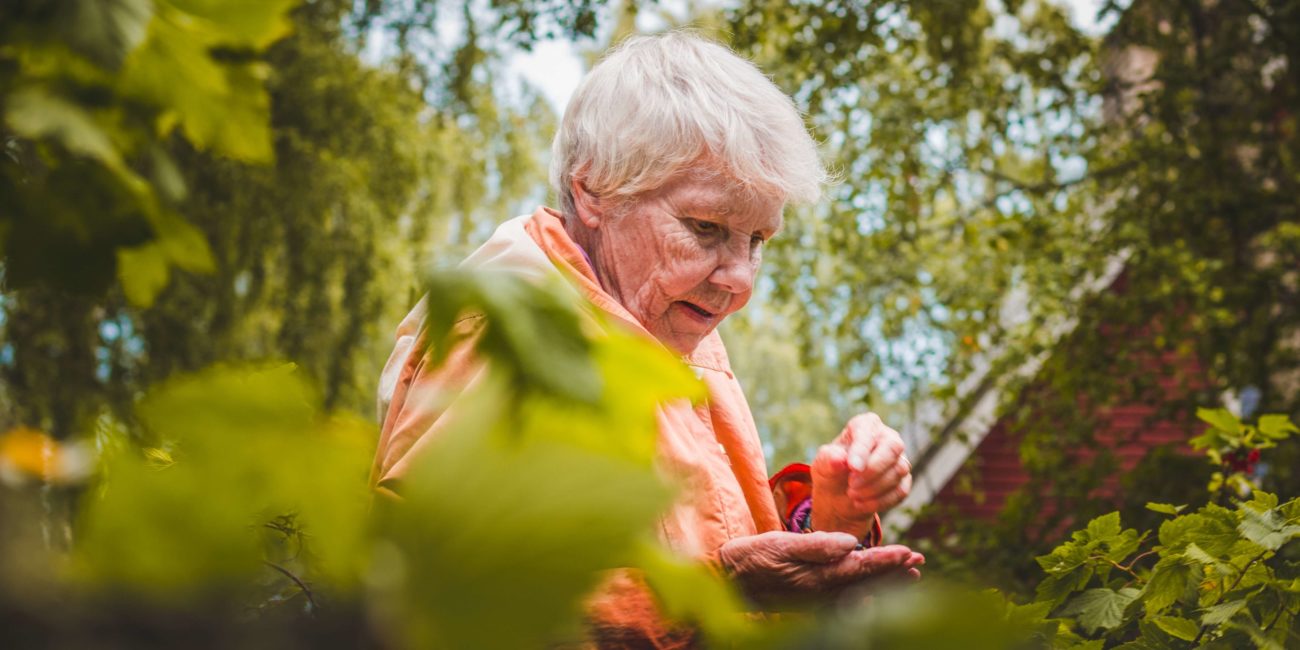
696 311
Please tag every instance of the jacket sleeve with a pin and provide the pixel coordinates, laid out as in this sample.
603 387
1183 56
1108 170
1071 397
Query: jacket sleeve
420 396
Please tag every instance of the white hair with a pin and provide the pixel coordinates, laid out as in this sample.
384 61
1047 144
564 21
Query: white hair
659 106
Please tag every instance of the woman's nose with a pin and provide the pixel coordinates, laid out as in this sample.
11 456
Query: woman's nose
736 269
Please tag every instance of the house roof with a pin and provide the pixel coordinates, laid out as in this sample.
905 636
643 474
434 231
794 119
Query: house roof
944 433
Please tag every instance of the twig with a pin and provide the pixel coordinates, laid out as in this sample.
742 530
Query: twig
1225 592
1139 557
1119 566
306 591
1277 616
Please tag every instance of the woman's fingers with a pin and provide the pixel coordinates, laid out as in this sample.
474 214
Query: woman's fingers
882 483
863 484
817 547
866 564
831 468
860 437
881 501
778 566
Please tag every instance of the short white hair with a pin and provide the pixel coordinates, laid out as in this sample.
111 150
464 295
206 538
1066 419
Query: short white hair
659 106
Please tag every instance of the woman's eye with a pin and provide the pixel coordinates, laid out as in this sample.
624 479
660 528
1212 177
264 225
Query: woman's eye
706 228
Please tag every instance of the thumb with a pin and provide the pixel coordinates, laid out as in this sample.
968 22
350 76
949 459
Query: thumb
821 547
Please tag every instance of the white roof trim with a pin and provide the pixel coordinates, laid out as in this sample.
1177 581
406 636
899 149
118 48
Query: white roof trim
953 441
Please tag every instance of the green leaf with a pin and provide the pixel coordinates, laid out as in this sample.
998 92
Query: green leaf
142 270
106 30
1222 612
1198 555
252 23
1165 508
251 447
1213 528
1169 580
1100 608
1104 527
1122 545
185 245
688 592
1277 427
536 522
533 331
1266 528
1178 627
220 106
37 114
1221 419
1273 640
1028 615
1212 440
1094 644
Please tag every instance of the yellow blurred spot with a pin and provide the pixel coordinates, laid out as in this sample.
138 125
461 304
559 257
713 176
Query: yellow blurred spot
27 453
27 450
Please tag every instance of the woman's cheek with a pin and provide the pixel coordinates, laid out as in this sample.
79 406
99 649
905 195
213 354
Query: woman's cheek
686 266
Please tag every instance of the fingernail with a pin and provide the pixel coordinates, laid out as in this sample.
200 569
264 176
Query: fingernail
856 461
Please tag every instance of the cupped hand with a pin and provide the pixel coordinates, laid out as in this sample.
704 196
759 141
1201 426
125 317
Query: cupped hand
859 474
788 568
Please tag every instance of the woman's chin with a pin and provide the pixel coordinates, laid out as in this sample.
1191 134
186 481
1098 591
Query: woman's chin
682 328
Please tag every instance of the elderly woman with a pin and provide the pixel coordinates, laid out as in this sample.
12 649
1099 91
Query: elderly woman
673 164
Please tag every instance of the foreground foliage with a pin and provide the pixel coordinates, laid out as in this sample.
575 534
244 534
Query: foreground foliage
246 511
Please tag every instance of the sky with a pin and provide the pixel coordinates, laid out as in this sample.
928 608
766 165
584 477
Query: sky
556 67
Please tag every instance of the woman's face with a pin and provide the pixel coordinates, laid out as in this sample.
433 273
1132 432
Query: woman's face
684 257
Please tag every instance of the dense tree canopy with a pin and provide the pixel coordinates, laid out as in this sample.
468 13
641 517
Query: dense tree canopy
308 243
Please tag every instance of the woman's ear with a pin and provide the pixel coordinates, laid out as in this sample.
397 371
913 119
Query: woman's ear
588 205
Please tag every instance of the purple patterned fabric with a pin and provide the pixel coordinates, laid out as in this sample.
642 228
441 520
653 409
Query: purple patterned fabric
801 517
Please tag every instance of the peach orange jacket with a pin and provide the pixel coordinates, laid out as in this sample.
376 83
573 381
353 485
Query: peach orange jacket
713 449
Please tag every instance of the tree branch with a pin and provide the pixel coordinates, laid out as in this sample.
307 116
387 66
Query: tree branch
306 591
1225 592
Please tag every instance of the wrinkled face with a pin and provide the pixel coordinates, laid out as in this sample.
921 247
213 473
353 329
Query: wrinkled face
684 257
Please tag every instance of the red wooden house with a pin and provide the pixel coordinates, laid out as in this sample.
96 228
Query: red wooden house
973 463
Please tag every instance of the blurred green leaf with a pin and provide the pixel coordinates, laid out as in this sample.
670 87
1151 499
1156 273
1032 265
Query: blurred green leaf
252 23
498 517
107 30
36 114
1277 427
251 447
143 272
184 245
1221 419
220 106
532 332
689 592
543 498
